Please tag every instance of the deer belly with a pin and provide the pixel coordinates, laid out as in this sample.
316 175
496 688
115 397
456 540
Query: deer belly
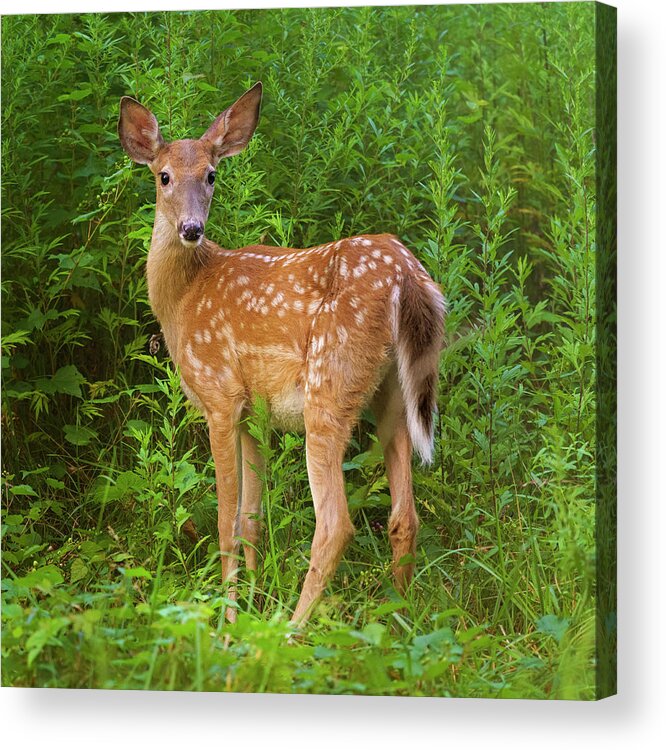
287 409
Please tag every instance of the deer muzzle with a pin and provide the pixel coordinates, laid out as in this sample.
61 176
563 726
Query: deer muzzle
191 232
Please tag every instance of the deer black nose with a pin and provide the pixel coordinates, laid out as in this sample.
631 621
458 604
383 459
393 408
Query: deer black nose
191 230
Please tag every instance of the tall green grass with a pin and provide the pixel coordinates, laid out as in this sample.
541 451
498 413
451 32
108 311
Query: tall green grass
469 132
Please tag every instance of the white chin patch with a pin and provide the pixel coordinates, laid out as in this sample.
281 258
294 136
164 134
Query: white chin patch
190 243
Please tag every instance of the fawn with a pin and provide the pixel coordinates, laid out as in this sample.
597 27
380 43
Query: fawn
318 333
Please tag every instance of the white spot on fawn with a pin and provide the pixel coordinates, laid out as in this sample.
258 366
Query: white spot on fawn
196 363
359 271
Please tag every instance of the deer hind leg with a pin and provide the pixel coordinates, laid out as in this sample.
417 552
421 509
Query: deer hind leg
348 347
224 443
325 441
250 523
389 408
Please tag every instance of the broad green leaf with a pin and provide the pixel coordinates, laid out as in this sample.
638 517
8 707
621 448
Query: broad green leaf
78 570
553 625
68 380
79 435
22 489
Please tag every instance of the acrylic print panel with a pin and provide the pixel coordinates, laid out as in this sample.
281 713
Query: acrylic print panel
391 152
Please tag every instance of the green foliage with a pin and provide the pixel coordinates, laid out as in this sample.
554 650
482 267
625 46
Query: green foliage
466 130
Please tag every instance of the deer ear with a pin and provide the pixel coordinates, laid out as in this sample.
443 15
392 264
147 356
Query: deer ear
138 131
231 131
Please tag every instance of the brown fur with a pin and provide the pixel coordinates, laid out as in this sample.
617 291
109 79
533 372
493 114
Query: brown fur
311 331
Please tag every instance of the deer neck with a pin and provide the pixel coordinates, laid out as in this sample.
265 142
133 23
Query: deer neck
170 271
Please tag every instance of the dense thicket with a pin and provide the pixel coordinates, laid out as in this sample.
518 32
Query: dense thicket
467 131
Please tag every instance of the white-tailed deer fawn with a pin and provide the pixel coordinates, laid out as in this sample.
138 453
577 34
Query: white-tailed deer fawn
318 333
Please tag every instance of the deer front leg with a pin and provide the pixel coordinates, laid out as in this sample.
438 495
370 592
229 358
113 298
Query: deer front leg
250 524
224 441
333 528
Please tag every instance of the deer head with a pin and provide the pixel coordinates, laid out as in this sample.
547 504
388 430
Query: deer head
185 170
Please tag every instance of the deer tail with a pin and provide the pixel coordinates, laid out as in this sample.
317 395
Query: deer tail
418 329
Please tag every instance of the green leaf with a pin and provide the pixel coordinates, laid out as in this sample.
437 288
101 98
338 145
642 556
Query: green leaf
12 340
68 380
88 214
203 86
78 570
46 635
79 435
75 96
22 489
407 559
138 572
37 319
182 515
135 425
59 39
388 607
372 633
44 578
434 639
553 625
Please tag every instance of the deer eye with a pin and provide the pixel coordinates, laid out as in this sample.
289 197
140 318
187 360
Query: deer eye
211 178
164 178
